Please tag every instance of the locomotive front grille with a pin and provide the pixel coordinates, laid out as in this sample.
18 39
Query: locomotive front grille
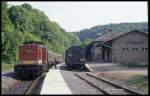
31 62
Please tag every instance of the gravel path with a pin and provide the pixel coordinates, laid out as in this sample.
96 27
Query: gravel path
8 80
20 88
76 85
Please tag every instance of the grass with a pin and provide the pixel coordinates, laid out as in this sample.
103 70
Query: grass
136 65
6 67
141 81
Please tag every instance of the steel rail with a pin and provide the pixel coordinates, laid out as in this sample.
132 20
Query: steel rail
99 88
32 86
113 84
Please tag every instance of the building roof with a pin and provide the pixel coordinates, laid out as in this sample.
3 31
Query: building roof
108 36
113 35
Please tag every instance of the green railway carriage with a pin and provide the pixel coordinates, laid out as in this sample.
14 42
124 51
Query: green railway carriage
75 57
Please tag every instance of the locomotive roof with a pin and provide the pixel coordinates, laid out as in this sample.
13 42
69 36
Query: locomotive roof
74 47
33 42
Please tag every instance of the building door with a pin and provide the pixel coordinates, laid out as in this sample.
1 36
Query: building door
108 54
103 54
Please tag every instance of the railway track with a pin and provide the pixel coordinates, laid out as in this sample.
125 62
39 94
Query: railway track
24 87
30 89
104 85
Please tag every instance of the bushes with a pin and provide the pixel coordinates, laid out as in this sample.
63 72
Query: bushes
6 66
24 23
140 80
138 65
85 43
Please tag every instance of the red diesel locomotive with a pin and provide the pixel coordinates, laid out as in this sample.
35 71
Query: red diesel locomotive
34 59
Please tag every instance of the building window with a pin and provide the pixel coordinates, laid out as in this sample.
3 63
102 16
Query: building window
144 49
134 49
125 49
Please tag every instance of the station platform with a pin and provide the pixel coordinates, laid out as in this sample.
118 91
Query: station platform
101 67
89 67
64 82
112 67
54 83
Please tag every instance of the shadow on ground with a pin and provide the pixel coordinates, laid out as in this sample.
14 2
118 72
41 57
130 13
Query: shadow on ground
66 68
11 75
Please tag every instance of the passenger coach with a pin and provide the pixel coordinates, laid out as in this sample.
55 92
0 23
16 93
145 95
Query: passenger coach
75 57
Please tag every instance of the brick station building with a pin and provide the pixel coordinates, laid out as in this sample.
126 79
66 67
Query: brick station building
129 47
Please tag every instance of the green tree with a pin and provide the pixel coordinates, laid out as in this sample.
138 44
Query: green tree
24 23
7 31
86 42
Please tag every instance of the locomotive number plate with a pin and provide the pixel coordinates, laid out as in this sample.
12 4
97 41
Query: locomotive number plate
29 50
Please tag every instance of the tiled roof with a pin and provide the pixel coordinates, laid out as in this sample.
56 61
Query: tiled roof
108 36
112 35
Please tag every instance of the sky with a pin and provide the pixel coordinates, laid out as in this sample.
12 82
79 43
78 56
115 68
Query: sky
75 16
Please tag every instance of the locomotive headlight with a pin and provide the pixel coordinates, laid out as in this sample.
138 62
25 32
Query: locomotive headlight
70 55
82 59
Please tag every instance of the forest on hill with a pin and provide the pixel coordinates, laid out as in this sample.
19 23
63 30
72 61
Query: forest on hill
23 23
93 33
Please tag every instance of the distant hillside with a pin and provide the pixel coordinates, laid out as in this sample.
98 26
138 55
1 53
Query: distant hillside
94 32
